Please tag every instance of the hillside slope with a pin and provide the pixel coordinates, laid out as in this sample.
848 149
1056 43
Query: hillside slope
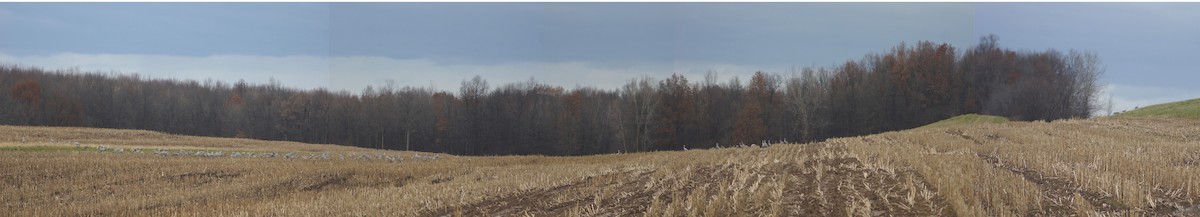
967 119
1183 109
1106 166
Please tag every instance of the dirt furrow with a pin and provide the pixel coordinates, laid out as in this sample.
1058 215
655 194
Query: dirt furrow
1057 190
539 202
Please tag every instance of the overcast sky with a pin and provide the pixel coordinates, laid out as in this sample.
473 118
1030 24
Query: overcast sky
1149 48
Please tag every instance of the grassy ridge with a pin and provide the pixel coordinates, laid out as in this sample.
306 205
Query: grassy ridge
1189 109
966 119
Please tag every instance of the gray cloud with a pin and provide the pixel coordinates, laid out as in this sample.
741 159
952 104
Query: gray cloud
1143 44
356 72
1149 48
293 71
761 34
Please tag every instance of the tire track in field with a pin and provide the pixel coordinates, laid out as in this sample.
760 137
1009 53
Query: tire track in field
538 202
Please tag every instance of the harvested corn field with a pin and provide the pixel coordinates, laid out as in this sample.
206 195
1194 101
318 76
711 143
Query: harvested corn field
1101 166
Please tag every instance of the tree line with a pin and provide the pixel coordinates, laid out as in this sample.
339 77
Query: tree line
905 87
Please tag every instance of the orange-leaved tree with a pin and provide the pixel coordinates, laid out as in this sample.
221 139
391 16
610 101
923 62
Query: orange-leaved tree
29 93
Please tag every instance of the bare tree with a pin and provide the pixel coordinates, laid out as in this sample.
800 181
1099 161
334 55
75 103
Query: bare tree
904 87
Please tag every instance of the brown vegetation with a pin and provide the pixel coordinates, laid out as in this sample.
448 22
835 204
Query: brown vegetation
1106 166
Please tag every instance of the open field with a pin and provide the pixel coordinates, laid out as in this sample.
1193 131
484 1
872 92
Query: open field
62 136
1109 166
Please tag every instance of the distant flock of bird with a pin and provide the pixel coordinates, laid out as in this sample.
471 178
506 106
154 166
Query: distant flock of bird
765 144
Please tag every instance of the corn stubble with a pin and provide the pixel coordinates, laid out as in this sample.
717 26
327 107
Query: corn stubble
1093 167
